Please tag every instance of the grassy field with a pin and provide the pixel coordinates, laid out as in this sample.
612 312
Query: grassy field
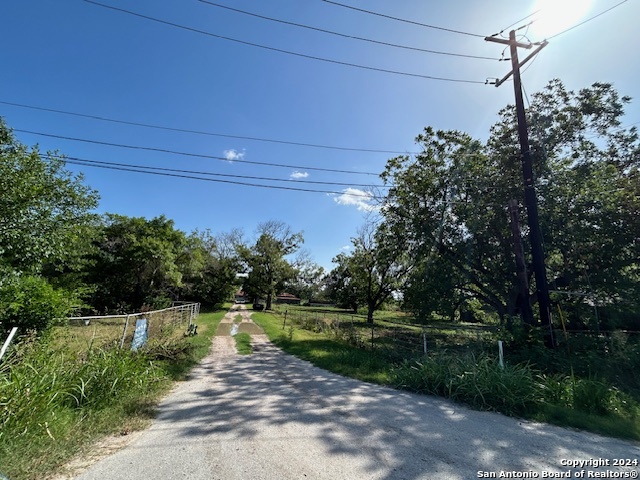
463 371
323 351
58 397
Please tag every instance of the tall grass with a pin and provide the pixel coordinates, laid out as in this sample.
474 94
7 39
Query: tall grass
522 390
48 393
55 399
476 381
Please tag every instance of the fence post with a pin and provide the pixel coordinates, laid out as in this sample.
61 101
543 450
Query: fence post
424 339
501 360
8 341
285 319
124 332
372 327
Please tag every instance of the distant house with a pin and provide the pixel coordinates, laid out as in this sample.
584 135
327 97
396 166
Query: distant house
287 298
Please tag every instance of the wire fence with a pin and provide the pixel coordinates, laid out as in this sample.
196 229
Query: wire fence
104 329
394 340
400 341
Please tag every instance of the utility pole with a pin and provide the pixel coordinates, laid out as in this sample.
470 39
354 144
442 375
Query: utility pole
531 201
521 266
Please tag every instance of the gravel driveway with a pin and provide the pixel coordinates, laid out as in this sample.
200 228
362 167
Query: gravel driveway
271 416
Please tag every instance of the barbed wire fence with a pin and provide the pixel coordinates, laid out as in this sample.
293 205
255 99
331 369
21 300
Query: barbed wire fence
176 320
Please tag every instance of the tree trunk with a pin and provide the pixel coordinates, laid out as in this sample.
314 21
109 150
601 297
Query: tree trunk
268 305
370 311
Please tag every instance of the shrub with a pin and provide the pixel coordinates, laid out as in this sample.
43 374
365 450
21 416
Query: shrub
31 303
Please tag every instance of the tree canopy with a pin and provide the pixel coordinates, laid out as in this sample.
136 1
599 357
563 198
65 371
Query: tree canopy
266 263
451 203
137 262
45 221
45 211
375 269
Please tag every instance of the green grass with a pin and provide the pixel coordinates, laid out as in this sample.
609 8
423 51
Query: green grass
613 426
394 316
332 355
198 345
56 400
243 343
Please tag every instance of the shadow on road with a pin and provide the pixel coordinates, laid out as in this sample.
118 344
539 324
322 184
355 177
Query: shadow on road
277 401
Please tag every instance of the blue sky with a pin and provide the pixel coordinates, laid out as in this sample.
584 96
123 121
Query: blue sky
75 56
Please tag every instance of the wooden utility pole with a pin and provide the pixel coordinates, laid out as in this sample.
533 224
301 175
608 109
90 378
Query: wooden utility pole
521 266
531 201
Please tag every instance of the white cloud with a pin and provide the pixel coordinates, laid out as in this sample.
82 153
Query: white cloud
297 175
356 197
233 155
346 248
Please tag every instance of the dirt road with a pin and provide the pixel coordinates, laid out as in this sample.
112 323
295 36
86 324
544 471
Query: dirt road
271 416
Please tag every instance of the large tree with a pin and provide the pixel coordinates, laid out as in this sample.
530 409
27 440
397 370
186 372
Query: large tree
266 263
307 284
45 210
137 262
45 224
211 266
375 269
340 286
451 203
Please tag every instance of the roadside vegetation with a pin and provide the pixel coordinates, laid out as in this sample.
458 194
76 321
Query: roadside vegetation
56 399
579 390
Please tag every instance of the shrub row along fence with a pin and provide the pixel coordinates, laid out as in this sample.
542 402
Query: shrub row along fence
130 330
396 341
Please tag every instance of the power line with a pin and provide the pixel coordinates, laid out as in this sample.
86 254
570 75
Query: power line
288 52
528 67
353 37
213 174
190 154
137 169
515 23
588 20
194 175
92 162
404 20
199 132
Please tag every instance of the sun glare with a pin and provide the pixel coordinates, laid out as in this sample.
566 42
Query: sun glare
554 16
